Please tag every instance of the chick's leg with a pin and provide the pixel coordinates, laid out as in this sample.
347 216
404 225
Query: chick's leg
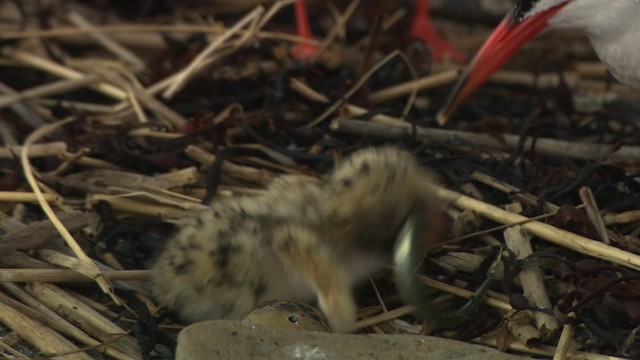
303 249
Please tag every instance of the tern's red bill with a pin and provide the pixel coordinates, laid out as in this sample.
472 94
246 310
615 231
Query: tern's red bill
505 40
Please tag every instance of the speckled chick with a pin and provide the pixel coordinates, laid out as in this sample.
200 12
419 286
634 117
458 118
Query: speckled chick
300 241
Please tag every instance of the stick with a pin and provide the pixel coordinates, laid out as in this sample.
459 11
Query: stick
544 146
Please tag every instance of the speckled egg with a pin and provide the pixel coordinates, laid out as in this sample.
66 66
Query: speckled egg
288 315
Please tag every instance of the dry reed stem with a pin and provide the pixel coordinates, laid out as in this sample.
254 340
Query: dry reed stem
59 323
365 77
49 89
37 334
347 110
254 175
130 206
124 79
532 280
188 72
16 196
544 231
512 191
36 150
62 71
591 208
544 146
385 316
466 294
40 233
622 218
28 172
67 276
157 197
427 82
465 262
84 317
89 161
115 48
338 26
564 343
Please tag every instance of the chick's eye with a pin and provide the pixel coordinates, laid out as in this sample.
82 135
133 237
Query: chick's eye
347 182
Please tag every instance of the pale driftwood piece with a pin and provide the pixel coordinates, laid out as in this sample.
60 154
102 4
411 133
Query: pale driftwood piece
259 176
532 280
62 71
84 317
544 146
36 150
593 212
59 323
37 334
547 232
512 191
39 233
114 47
16 196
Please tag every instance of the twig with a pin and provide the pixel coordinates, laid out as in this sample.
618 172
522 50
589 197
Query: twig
591 208
544 146
532 281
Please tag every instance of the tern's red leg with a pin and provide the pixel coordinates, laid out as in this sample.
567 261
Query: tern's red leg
303 51
422 29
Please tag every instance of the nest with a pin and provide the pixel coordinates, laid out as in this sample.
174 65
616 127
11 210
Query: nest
120 121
